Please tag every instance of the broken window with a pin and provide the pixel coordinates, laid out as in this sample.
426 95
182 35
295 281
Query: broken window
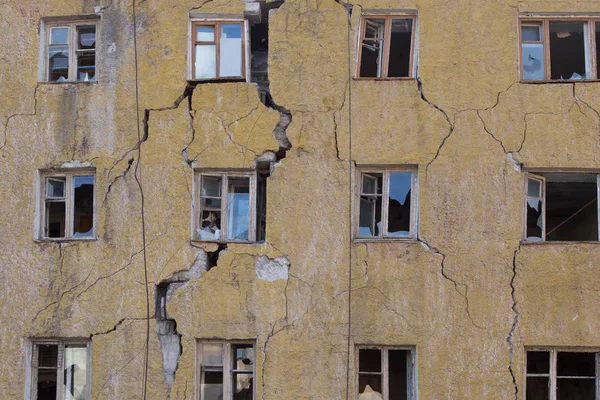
561 375
60 370
561 207
387 203
387 46
70 52
218 50
231 205
68 205
225 370
554 49
386 373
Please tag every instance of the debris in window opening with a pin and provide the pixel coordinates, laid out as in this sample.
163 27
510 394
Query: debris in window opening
567 50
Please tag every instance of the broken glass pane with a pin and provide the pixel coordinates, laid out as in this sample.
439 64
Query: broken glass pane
531 33
86 37
206 62
243 357
575 389
210 225
571 209
83 206
567 50
532 58
205 33
47 384
75 373
372 183
55 219
371 56
533 188
374 28
370 216
212 385
369 360
59 35
537 388
242 385
211 186
538 362
212 354
399 203
58 63
230 46
400 48
238 209
55 188
399 361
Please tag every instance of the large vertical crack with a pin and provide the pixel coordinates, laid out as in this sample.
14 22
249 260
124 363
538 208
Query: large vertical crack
285 119
514 324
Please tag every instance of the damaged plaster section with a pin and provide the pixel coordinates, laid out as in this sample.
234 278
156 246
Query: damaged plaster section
272 269
166 327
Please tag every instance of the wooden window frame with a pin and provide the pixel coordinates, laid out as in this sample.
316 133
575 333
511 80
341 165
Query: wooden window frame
69 199
411 369
414 198
227 366
216 42
225 175
61 343
542 179
545 40
386 43
552 375
72 45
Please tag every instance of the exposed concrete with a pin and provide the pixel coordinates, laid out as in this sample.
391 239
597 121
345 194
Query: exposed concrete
272 270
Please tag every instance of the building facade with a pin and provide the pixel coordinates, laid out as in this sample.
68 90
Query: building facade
299 199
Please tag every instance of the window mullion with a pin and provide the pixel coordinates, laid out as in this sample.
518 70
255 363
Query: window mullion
385 202
384 372
69 206
544 209
227 395
224 207
546 29
59 368
386 46
253 210
218 48
592 40
598 204
553 375
72 53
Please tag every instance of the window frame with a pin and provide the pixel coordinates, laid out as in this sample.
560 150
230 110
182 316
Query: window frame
386 43
68 176
216 23
591 61
411 378
552 375
226 367
72 26
225 174
537 175
414 199
32 365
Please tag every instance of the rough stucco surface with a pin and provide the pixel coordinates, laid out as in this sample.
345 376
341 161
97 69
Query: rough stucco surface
452 295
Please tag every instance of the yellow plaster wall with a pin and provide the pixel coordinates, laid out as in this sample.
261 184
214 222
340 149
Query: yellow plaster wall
448 294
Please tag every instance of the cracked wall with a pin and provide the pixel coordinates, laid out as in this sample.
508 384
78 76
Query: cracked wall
469 297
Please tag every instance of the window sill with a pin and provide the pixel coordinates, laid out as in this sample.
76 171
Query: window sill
90 83
386 239
201 242
405 78
195 82
560 81
62 240
559 242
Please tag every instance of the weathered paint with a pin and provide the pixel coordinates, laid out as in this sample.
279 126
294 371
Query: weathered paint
452 296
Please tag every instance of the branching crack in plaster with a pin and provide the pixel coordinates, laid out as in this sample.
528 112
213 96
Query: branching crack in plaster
264 351
456 284
450 123
11 116
515 322
120 176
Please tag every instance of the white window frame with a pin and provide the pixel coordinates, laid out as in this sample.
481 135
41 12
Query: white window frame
68 176
224 174
414 198
411 379
32 365
553 367
543 21
208 18
72 25
227 367
530 175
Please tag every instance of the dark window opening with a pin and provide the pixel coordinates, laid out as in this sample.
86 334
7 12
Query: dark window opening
261 205
161 301
259 52
567 50
400 48
385 373
399 367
